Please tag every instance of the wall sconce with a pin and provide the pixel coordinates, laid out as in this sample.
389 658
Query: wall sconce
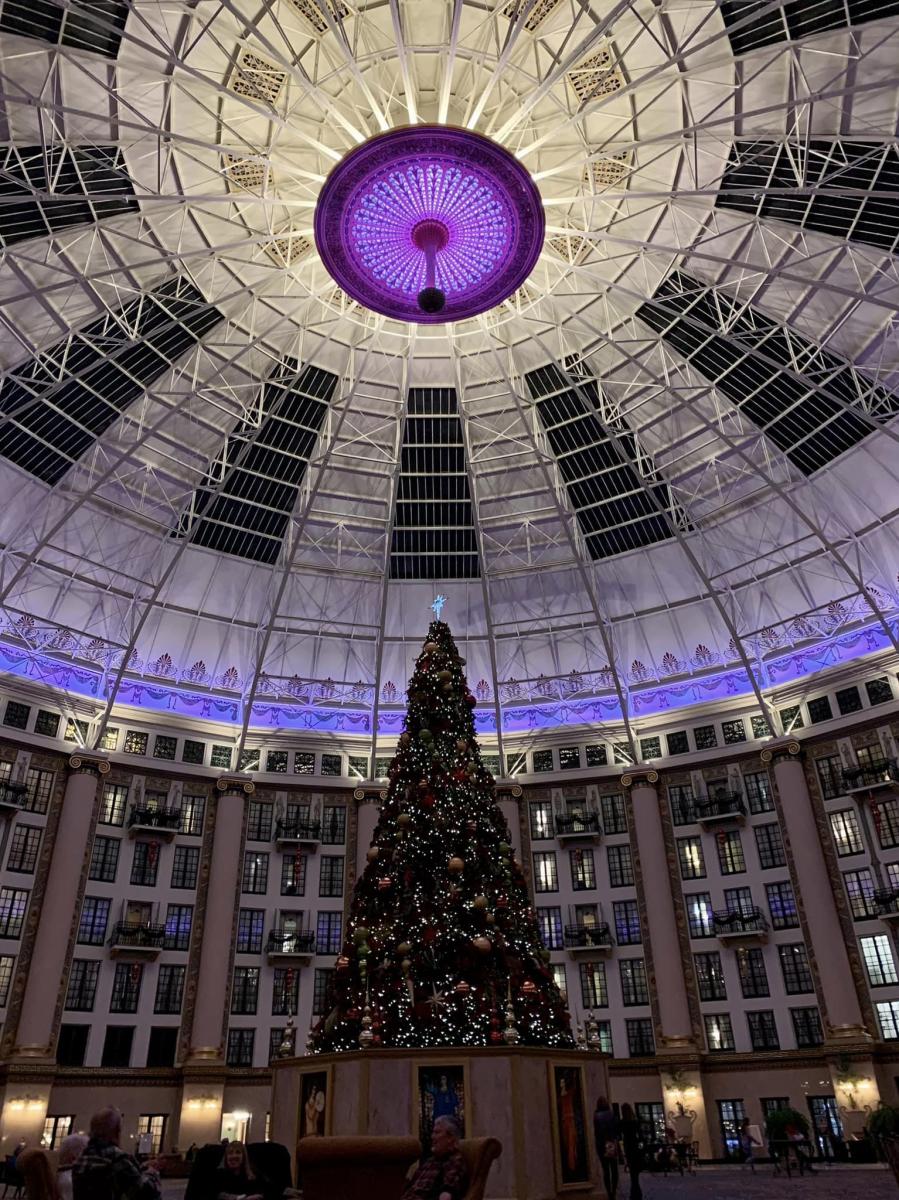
202 1102
20 1103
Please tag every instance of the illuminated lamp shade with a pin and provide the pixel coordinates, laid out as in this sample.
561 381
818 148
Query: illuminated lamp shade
429 224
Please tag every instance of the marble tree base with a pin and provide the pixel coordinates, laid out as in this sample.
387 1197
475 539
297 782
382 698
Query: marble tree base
508 1096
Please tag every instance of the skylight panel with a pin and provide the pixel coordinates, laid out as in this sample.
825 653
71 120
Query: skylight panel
92 25
313 12
796 19
433 533
809 402
74 185
620 500
807 186
540 10
596 76
257 78
245 504
57 404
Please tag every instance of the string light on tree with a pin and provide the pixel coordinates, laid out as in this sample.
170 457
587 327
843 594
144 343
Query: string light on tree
441 946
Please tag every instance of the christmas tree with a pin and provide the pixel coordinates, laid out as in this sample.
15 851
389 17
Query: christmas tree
442 946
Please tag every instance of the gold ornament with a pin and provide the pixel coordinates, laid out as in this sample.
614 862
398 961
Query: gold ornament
404 819
456 865
372 853
480 902
482 945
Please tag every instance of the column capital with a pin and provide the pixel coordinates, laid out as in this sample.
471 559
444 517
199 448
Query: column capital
781 752
86 762
635 777
370 795
236 783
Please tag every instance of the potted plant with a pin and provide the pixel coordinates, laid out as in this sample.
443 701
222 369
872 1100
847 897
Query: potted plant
883 1130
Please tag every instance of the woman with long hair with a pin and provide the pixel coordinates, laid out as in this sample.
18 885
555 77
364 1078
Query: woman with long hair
606 1132
633 1148
235 1178
70 1150
38 1175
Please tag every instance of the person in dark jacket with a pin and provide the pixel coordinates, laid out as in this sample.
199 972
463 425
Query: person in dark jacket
105 1171
633 1148
606 1132
235 1179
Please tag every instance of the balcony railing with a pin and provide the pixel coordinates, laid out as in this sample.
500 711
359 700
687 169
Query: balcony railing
739 922
163 820
299 943
720 807
887 902
298 831
133 935
584 824
883 773
588 937
13 796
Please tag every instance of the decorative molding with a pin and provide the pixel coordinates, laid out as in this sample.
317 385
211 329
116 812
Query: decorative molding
235 783
85 762
782 752
633 778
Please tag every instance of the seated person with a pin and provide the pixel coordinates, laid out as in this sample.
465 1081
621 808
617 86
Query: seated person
443 1176
235 1178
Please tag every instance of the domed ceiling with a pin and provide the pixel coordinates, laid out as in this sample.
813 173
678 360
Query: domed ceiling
662 471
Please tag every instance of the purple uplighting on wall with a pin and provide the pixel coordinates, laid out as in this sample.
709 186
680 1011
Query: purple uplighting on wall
429 224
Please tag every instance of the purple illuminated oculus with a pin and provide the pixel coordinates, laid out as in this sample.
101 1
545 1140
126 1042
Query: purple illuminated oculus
429 224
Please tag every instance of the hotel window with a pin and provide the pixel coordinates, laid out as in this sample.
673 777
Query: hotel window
639 1037
583 872
772 1104
293 874
541 812
886 822
763 1030
596 756
791 718
634 989
699 915
796 972
357 765
112 806
76 731
878 958
240 1047
93 922
614 815
104 859
7 962
23 848
710 975
770 846
594 993
819 710
860 890
248 760
760 727
145 864
259 821
321 991
221 758
193 809
543 760
285 991
604 1030
330 877
169 989
329 933
846 833
154 1125
135 742
569 758
683 804
47 723
621 867
830 775
117 1044
651 1119
16 715
71 1046
255 873
557 970
738 899
38 790
879 690
193 752
333 824
250 925
162 1045
719 1034
245 992
807 1027
888 1016
689 856
55 1129
549 921
165 747
677 742
304 763
545 875
705 737
753 976
758 792
627 923
185 866
849 701
126 987
650 747
734 731
730 853
276 762
275 1042
331 764
82 989
782 905
178 921
731 1115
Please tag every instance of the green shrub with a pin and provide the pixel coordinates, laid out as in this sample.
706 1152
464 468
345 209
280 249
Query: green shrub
883 1121
777 1122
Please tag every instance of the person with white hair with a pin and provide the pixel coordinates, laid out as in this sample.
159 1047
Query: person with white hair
105 1171
70 1150
443 1176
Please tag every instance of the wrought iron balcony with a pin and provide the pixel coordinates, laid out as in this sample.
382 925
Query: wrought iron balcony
290 944
887 901
298 833
134 937
747 924
577 825
881 774
13 797
587 939
162 822
723 806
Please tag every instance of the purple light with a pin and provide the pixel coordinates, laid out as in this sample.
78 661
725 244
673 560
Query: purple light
429 224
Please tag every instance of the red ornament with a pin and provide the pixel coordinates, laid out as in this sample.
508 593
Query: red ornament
496 1036
471 826
462 988
428 801
470 700
502 902
342 963
383 884
529 987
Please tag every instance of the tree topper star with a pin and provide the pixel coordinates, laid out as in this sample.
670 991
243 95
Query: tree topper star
437 606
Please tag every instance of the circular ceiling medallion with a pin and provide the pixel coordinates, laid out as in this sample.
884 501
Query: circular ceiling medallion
429 224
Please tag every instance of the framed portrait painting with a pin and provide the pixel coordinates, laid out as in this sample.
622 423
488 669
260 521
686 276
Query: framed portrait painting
439 1089
315 1103
571 1146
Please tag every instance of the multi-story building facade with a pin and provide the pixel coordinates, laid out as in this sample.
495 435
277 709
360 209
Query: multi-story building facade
723 911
